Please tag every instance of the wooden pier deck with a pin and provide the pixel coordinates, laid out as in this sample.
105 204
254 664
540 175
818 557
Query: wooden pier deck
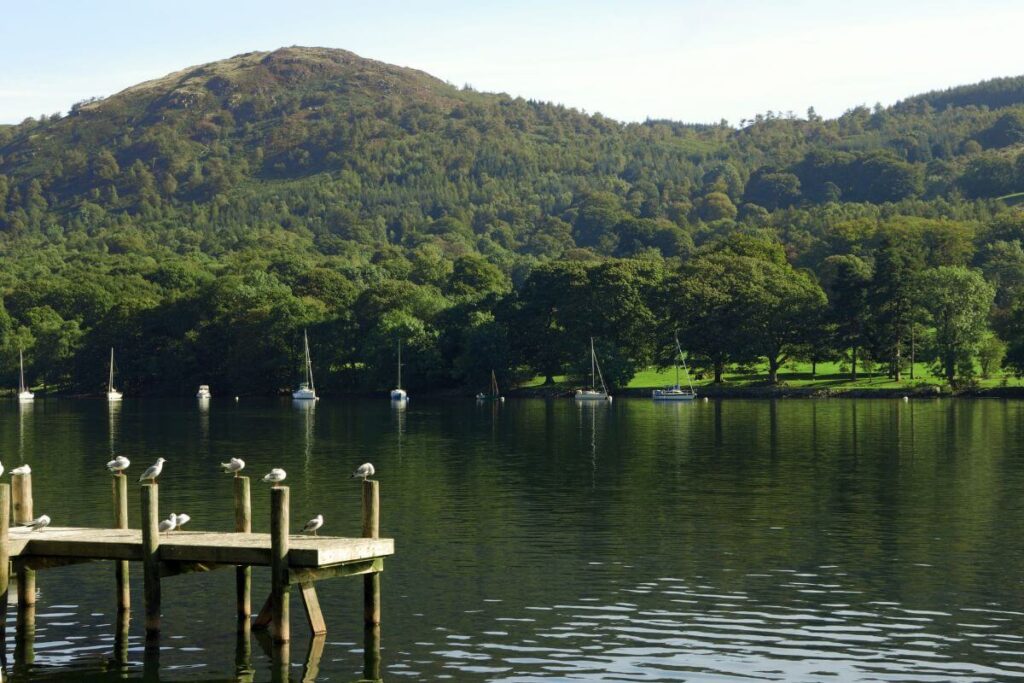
43 548
294 560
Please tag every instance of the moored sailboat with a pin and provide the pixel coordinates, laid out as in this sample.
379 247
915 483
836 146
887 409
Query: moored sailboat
493 393
112 393
398 393
24 395
676 392
306 390
592 394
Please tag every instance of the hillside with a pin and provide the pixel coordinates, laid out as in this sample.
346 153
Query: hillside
310 186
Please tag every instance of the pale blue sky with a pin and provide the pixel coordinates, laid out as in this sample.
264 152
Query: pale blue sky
690 60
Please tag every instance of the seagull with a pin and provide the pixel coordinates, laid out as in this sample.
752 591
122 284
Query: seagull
24 469
363 472
153 471
275 476
181 520
168 524
233 466
38 523
118 464
313 525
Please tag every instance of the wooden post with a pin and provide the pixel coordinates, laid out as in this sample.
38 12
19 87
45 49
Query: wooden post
371 529
243 524
21 494
120 486
5 555
151 554
279 589
371 652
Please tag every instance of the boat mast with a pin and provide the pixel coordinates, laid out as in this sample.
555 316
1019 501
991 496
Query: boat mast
309 363
110 380
494 384
21 363
679 351
399 363
679 354
593 384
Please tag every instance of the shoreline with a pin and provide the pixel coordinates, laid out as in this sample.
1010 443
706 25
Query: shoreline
711 391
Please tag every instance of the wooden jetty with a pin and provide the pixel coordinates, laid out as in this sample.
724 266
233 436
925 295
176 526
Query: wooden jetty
294 560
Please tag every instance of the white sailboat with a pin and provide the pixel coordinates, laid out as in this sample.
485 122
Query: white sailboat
24 395
398 393
306 390
493 394
112 393
676 392
204 392
592 394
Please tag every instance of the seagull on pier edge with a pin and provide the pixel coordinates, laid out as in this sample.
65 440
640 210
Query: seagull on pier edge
153 471
363 472
233 466
275 476
118 464
313 524
24 469
37 524
181 520
168 524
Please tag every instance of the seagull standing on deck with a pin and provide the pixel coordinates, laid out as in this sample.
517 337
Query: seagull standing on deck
181 520
168 524
364 472
24 469
275 476
40 522
233 466
313 524
153 471
118 464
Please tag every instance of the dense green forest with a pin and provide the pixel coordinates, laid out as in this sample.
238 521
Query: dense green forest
199 222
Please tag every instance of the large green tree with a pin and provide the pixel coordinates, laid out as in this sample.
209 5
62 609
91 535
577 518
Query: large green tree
957 301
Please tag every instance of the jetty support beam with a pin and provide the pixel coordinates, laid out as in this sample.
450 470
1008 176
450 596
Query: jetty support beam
151 555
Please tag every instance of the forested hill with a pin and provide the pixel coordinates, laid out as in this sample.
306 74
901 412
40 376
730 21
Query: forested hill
198 221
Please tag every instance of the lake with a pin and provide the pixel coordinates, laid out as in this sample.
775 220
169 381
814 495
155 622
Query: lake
801 540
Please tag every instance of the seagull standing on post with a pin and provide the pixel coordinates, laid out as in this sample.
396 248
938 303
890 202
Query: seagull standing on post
364 471
119 464
24 469
233 466
275 476
153 471
313 524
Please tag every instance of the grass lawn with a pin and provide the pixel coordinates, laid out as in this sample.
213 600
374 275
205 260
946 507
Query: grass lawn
828 375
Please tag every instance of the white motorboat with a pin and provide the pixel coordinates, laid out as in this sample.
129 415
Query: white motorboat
204 392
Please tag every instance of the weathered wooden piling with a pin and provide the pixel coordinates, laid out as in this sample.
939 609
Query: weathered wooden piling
371 652
243 573
279 589
151 554
371 529
21 496
5 555
120 488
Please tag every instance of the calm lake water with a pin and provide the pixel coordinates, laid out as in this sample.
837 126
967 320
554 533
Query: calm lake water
798 540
